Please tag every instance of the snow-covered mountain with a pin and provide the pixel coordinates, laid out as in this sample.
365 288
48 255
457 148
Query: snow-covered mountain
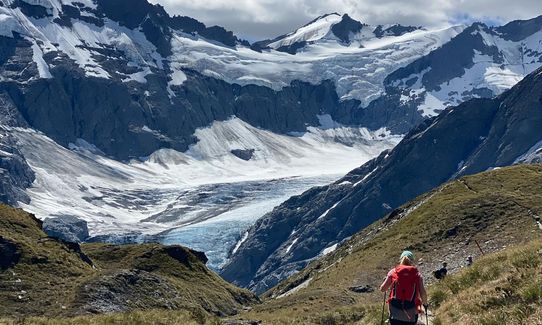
332 27
112 109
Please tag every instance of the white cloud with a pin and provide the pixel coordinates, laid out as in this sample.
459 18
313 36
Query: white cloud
258 19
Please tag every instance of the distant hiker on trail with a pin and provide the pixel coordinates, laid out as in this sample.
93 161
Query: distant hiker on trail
469 260
442 272
407 294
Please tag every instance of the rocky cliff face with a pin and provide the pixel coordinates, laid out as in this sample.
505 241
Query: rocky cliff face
473 137
15 173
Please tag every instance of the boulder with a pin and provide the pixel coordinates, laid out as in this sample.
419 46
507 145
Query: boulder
67 228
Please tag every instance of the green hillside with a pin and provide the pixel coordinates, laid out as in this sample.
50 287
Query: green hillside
497 209
41 276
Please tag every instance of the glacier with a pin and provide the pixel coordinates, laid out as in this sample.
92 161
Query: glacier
204 198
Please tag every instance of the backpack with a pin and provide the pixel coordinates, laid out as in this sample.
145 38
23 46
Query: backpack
404 299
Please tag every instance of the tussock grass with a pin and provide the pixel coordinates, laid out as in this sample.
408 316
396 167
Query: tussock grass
148 317
501 288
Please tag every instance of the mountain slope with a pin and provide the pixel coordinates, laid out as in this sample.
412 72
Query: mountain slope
496 209
475 136
47 277
502 288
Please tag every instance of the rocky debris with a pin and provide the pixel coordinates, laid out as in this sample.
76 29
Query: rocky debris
125 290
394 30
241 322
9 254
121 239
244 154
67 228
362 289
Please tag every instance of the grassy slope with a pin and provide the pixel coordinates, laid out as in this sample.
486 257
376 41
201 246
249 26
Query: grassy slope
52 279
502 288
496 208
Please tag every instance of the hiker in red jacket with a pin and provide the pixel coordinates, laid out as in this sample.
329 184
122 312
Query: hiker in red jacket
407 294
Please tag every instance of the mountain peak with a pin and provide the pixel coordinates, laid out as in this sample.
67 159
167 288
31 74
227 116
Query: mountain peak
346 27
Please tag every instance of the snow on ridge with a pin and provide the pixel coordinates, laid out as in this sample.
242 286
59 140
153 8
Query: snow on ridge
520 59
240 242
358 71
329 250
533 152
328 210
303 285
313 31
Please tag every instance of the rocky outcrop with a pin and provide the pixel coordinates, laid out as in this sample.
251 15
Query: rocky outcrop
9 252
346 27
394 30
15 174
244 154
473 137
68 228
131 290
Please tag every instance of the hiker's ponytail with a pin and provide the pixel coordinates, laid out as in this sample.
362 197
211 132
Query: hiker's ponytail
405 261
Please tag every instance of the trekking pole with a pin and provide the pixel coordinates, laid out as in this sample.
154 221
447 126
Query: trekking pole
383 307
426 315
480 248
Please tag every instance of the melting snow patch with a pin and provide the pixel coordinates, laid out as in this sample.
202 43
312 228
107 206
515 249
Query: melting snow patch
43 68
291 245
239 243
304 284
327 211
177 78
138 76
329 249
327 122
431 106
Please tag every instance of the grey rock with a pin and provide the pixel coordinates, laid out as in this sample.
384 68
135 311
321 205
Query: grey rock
244 154
346 27
362 289
394 30
67 228
15 173
9 253
126 290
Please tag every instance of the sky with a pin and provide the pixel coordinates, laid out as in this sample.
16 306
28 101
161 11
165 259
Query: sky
262 19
